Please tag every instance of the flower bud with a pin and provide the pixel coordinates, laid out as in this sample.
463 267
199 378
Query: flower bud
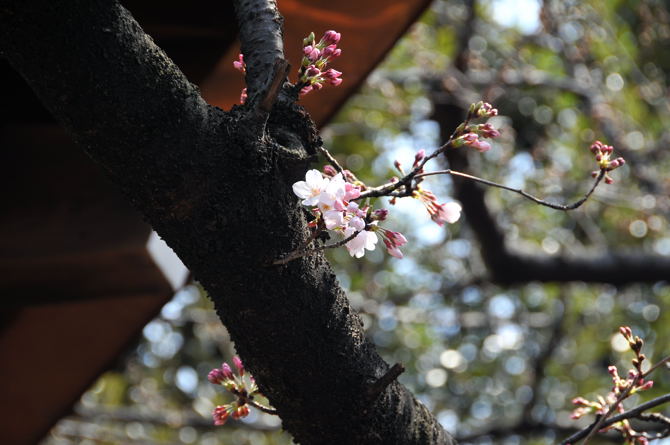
312 71
227 372
309 40
331 37
380 214
329 170
238 365
215 376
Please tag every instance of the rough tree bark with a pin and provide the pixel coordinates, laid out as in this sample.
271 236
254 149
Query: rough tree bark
216 185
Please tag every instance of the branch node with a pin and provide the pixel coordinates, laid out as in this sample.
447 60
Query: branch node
382 382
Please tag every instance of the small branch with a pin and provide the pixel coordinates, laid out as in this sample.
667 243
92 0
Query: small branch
280 71
301 253
261 43
635 412
655 417
527 195
382 382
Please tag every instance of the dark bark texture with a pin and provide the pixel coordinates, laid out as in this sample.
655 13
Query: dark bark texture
216 186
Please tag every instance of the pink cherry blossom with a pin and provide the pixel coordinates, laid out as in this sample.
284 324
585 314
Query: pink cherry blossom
364 240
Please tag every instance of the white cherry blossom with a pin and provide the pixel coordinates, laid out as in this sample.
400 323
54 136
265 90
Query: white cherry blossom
311 188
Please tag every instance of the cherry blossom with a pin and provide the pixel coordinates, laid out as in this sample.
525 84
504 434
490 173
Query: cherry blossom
311 188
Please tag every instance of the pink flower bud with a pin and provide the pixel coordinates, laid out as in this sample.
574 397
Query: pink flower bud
329 170
313 71
317 86
380 214
419 156
243 96
397 165
332 74
488 131
580 401
331 37
215 376
306 89
227 372
241 411
335 82
220 415
238 364
608 180
312 53
239 63
594 174
647 385
329 51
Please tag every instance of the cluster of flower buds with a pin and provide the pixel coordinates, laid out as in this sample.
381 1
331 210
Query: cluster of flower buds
603 153
471 135
240 384
481 109
622 388
316 56
241 67
331 197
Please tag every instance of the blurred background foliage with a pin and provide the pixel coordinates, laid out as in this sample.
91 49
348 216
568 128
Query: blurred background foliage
496 364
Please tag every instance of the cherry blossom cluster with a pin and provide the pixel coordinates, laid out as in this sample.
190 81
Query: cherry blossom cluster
316 56
241 385
332 200
622 388
603 153
332 195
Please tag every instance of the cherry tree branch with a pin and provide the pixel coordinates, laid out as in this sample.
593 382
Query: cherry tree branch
630 414
572 206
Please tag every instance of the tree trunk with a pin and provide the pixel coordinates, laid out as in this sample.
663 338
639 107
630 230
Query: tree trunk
216 186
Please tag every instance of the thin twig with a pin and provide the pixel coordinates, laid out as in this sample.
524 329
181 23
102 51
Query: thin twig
657 365
382 382
301 253
527 195
331 159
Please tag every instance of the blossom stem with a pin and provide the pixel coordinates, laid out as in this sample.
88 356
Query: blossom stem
331 159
